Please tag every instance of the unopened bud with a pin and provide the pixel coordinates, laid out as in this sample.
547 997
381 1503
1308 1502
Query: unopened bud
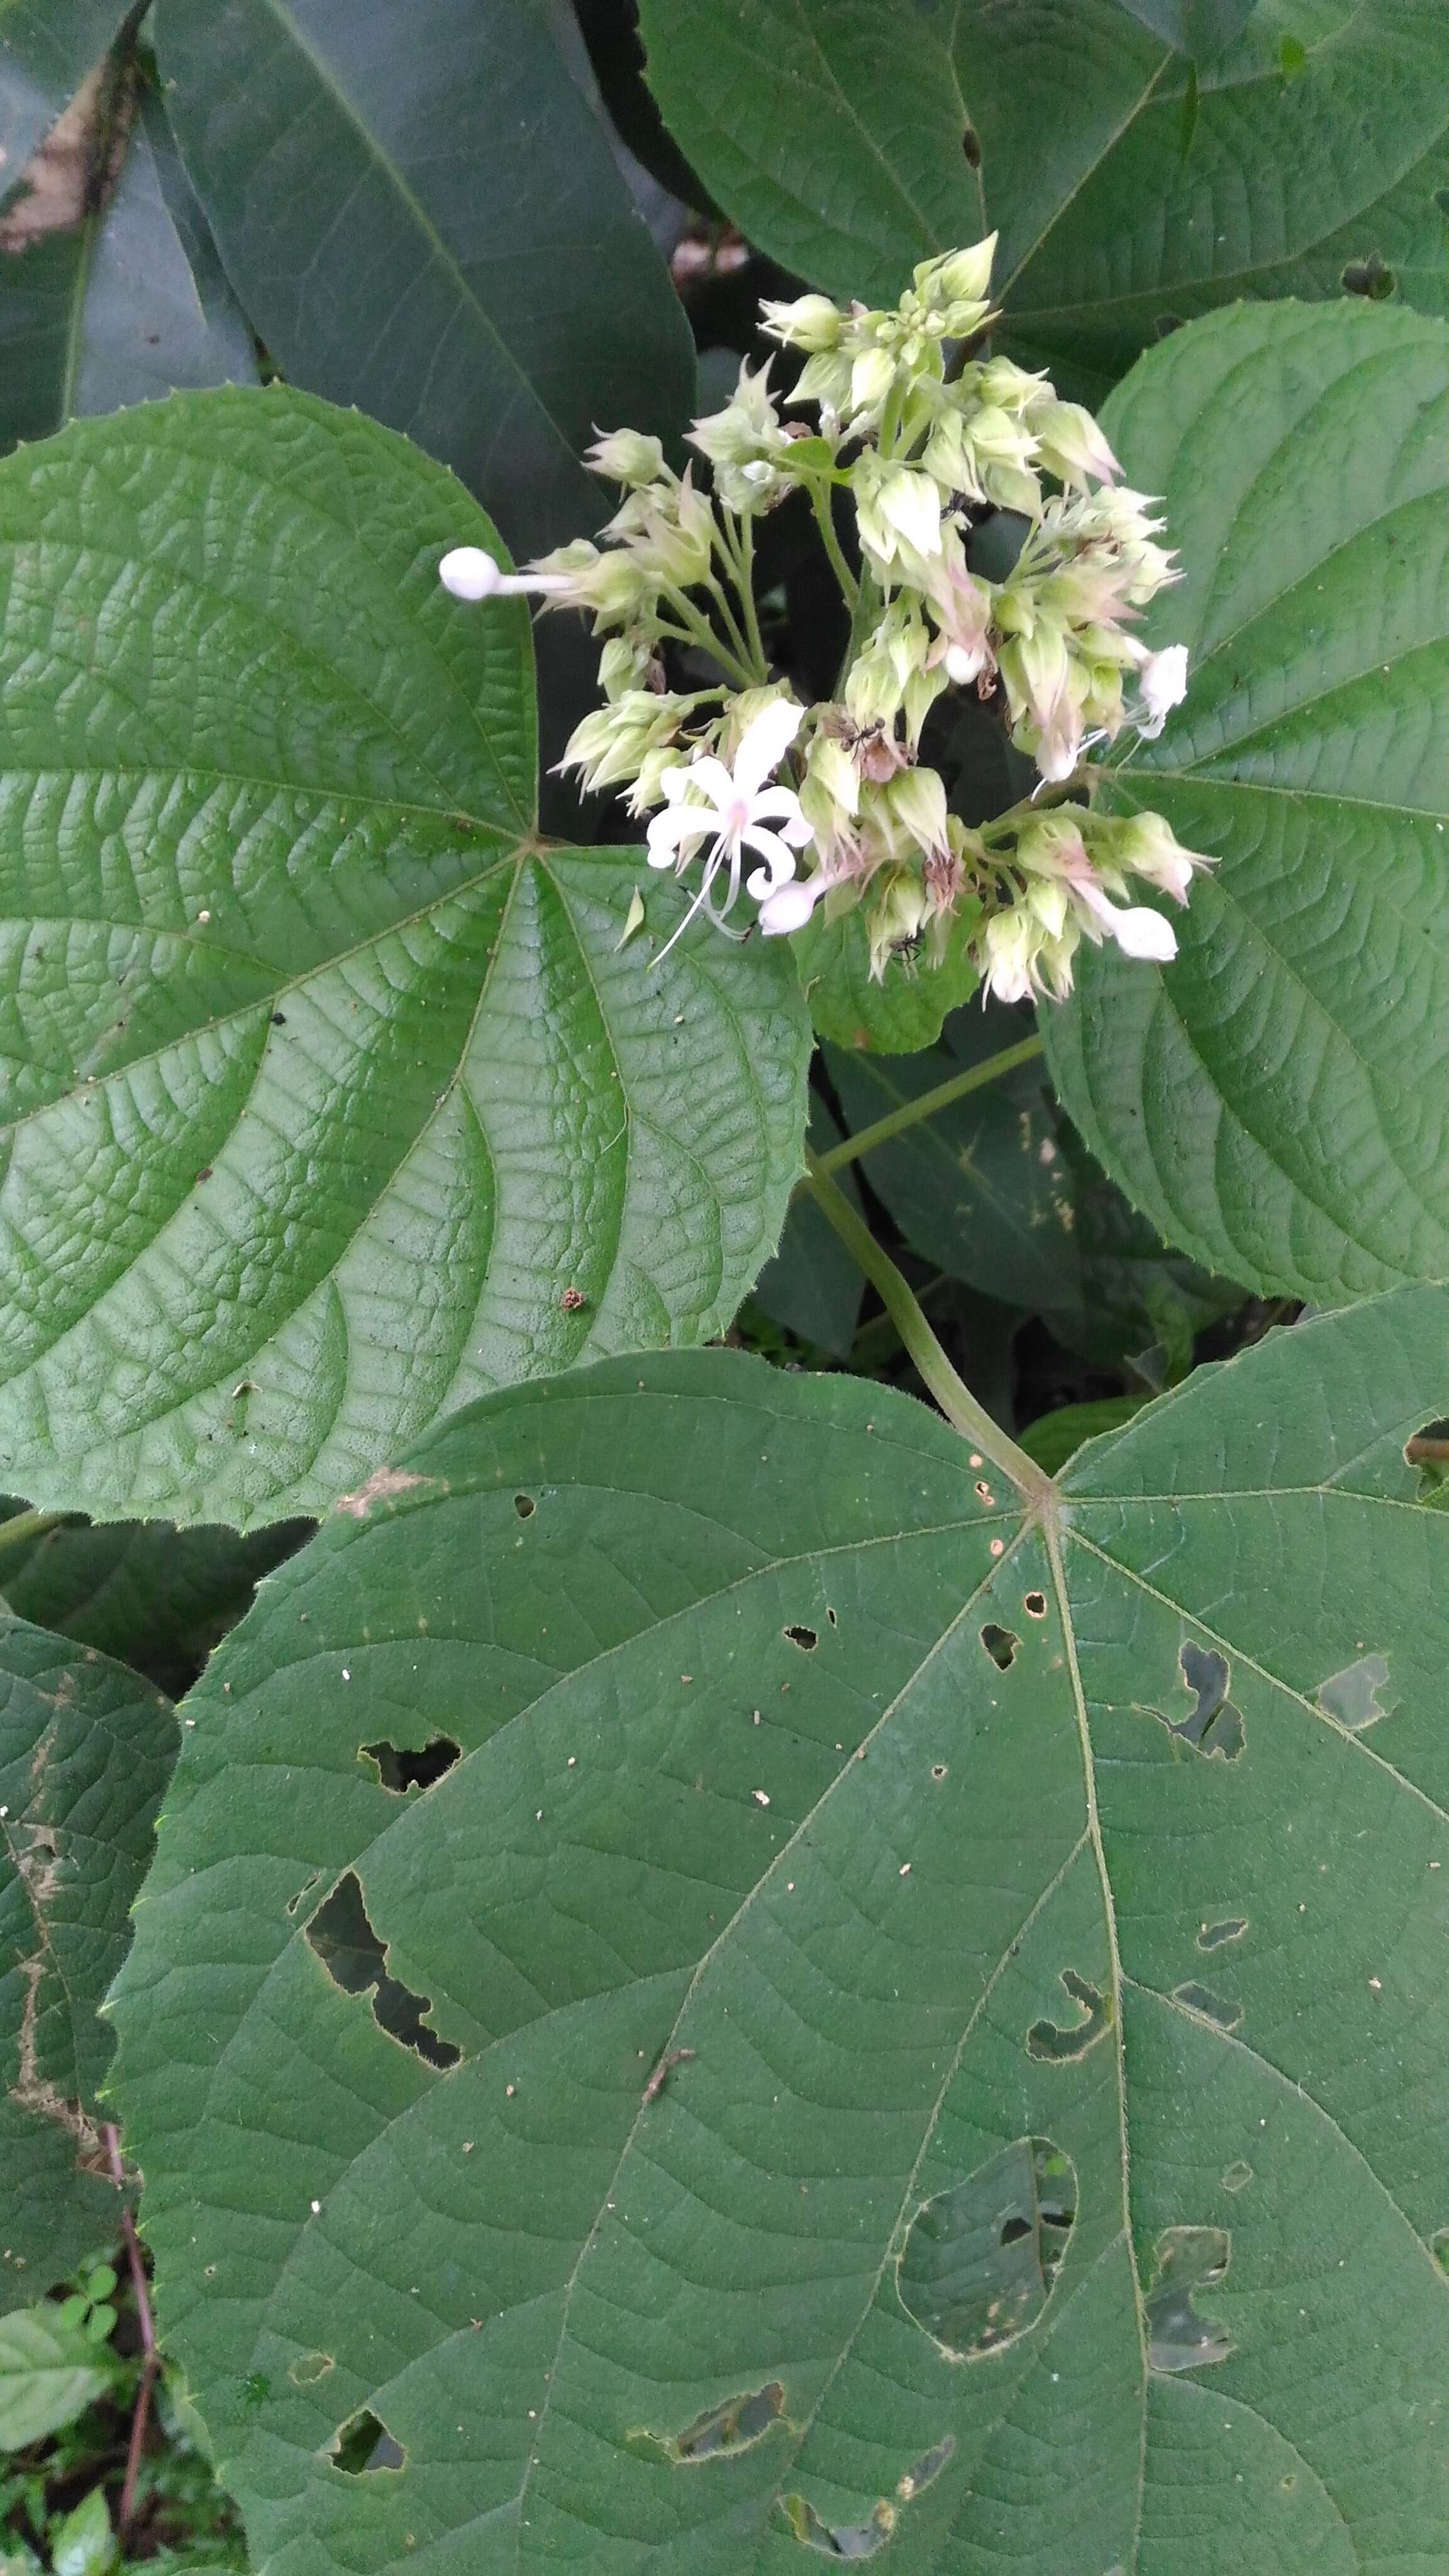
626 456
811 323
957 276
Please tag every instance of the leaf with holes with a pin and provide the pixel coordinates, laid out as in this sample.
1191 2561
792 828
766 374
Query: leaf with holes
719 1980
1276 1100
332 1097
85 1752
892 129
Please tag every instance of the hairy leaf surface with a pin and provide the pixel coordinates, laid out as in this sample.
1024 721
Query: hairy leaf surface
1277 1101
732 1991
1130 189
331 1097
423 216
85 1751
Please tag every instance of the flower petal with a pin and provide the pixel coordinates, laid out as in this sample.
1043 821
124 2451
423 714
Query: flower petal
779 859
764 743
787 909
676 826
1140 932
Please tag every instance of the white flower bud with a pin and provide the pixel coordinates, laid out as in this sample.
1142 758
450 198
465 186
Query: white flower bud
626 456
811 323
1163 683
469 573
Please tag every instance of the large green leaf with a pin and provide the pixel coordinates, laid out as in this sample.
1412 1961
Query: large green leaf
1277 1100
129 305
333 1097
848 164
85 1751
997 1190
1035 1921
155 1597
423 216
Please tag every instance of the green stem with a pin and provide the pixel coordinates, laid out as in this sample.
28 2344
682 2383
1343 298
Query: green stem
951 1392
746 560
825 521
926 1104
26 1525
697 630
739 640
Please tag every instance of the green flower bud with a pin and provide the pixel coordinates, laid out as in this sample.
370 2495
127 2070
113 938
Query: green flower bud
626 456
811 323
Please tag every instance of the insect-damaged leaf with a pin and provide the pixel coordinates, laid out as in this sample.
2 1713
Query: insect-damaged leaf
325 1072
744 1792
1276 1100
85 1749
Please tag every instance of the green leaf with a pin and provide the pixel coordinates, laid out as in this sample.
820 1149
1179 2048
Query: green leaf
50 2372
997 1190
423 216
155 1597
892 129
897 1014
812 1286
85 1751
328 1075
798 1829
1057 1436
1200 28
84 2543
129 305
46 49
1274 1101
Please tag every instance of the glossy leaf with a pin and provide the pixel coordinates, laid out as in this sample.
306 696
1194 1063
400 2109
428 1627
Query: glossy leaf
85 1752
50 2372
332 1080
154 1597
812 1858
423 216
130 305
891 129
1276 1101
46 49
996 1189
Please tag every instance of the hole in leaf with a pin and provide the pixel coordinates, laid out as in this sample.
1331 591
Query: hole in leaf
363 2445
1213 1935
1441 200
977 2267
356 1960
830 1615
1237 2176
1035 1605
1370 277
1213 1727
971 146
849 2540
1166 324
1352 1696
1439 2247
927 2468
1207 2006
309 2367
1189 2259
1062 2047
1000 1645
807 1639
723 2430
525 1506
401 1769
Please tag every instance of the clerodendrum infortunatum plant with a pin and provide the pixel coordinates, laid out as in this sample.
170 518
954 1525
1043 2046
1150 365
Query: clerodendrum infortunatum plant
923 446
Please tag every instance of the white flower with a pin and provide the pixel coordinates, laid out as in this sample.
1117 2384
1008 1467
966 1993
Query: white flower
733 811
1137 929
1163 683
469 573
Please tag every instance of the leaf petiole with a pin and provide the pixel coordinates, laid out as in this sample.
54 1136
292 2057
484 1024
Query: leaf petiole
951 1392
910 1112
26 1525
